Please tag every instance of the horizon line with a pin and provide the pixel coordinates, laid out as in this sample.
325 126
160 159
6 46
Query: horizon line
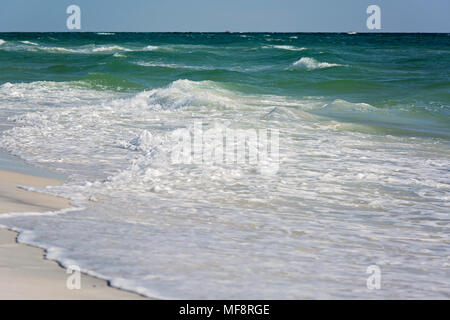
227 32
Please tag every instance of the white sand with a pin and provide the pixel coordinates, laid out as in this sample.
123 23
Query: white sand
13 199
24 273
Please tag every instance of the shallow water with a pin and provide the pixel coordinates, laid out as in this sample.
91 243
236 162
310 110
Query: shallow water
363 170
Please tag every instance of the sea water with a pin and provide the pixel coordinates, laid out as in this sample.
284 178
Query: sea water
363 173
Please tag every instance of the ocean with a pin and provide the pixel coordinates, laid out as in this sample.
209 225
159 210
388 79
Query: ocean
362 173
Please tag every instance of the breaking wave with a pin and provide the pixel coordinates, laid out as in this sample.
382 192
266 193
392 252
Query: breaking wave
312 64
285 47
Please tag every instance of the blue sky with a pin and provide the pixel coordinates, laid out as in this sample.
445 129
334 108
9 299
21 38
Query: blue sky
231 15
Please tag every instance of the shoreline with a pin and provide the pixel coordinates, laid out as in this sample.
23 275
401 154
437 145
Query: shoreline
25 271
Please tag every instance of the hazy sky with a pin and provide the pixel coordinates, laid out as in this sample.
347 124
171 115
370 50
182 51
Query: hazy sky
221 15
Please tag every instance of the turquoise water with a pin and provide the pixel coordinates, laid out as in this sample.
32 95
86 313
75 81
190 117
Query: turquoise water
391 72
363 170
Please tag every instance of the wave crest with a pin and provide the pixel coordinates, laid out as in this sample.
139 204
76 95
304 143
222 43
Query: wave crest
285 47
29 42
184 93
151 48
312 64
110 48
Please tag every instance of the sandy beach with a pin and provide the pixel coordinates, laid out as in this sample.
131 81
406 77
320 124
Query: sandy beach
24 271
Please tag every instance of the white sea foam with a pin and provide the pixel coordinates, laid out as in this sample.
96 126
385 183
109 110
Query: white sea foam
170 65
38 214
62 49
311 64
110 48
342 196
30 43
87 49
199 67
151 48
2 42
284 47
34 48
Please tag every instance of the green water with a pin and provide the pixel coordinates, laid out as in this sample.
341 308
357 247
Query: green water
388 71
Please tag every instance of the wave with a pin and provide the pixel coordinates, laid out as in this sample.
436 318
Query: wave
312 64
2 41
61 49
184 93
119 55
178 94
48 94
103 120
170 65
116 148
38 214
105 33
200 68
151 48
285 47
30 43
36 48
110 48
396 120
88 49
